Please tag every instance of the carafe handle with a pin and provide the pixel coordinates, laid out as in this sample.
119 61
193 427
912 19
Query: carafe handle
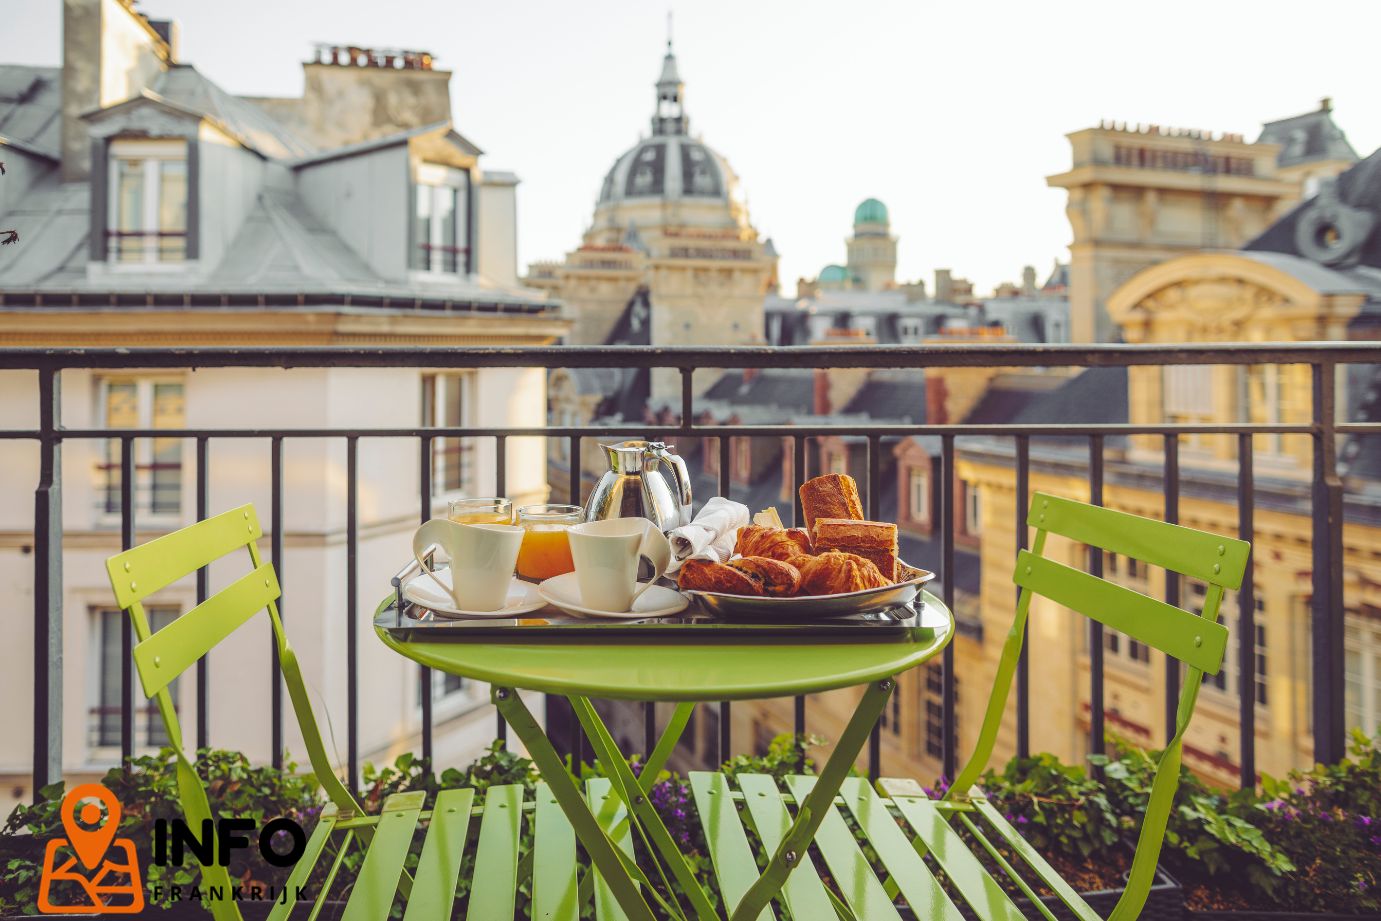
683 482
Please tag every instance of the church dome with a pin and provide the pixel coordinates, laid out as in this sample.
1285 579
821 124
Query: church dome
870 211
833 273
667 166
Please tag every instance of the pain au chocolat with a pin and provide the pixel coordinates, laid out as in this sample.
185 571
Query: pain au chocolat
779 580
832 496
710 576
872 540
834 573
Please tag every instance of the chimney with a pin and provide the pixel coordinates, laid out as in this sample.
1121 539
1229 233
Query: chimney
822 393
1028 280
353 94
944 285
110 53
168 30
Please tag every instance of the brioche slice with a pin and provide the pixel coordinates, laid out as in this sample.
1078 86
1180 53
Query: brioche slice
872 540
779 580
835 573
832 496
710 576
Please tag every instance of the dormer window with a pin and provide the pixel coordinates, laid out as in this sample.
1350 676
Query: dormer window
146 219
441 220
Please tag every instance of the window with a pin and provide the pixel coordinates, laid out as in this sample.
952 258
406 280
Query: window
144 403
444 685
918 494
1228 680
1262 400
1362 670
935 711
1187 397
105 709
1126 648
891 714
146 219
972 512
447 403
837 462
441 220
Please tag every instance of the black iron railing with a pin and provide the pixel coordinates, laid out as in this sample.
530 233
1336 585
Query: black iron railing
1322 428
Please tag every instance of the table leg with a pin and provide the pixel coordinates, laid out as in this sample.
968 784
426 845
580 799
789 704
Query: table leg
811 812
606 857
634 795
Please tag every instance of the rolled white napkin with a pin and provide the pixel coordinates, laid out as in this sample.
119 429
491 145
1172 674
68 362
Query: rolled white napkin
711 535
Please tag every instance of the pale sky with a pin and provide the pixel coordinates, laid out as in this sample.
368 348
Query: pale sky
953 113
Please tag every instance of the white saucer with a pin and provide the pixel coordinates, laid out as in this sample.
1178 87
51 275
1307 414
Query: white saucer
431 590
564 592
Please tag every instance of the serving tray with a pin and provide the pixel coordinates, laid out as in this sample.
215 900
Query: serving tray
414 624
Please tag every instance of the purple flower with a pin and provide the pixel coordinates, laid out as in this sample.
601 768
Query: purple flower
1363 821
1376 840
1273 805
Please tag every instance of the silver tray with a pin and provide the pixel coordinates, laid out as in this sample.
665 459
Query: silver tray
812 606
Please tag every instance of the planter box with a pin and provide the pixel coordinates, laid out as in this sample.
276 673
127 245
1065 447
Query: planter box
1165 902
1253 915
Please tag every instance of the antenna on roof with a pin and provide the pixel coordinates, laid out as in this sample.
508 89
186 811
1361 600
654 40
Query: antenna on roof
668 31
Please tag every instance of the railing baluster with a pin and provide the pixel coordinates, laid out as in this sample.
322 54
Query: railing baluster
1246 613
203 490
947 676
874 486
1170 703
501 489
723 753
1327 572
126 628
352 642
1023 448
47 729
280 565
1095 649
424 674
798 518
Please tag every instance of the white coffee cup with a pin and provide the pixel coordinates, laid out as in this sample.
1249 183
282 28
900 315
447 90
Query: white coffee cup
606 555
482 560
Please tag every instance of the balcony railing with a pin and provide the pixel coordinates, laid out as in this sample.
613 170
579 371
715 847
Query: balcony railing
1326 495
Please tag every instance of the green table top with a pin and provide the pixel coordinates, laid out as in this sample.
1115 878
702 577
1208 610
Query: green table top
747 669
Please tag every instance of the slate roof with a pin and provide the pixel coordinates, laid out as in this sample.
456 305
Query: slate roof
30 105
1359 187
1307 137
787 389
891 396
1360 456
184 86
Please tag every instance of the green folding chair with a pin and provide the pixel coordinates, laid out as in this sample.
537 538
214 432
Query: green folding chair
1198 641
160 657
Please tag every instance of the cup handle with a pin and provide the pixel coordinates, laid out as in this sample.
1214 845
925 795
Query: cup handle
656 549
425 539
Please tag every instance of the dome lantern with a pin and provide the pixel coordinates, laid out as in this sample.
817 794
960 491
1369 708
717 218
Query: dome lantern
670 115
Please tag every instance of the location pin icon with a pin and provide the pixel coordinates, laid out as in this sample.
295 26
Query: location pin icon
90 845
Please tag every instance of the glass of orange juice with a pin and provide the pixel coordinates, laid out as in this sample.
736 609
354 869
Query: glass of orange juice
491 510
546 551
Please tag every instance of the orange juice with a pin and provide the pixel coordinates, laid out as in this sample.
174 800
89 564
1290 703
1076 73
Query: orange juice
481 518
545 552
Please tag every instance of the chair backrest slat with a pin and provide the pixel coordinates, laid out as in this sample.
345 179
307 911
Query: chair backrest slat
1194 640
1213 559
167 653
140 571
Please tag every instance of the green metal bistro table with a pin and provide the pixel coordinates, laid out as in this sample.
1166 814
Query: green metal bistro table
677 666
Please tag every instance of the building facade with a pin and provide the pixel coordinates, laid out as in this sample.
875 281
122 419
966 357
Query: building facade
156 209
1141 195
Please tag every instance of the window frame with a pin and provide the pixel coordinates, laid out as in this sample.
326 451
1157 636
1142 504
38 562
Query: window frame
154 152
465 448
145 456
147 721
918 486
429 256
1362 634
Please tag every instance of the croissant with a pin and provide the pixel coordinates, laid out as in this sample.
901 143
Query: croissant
778 579
709 576
773 543
835 573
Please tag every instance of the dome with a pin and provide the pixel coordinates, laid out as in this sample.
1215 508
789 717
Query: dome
870 211
833 273
667 166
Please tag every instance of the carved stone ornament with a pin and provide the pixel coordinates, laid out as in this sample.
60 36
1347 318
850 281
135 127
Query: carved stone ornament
1331 231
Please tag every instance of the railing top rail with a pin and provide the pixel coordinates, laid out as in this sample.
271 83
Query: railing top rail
690 358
